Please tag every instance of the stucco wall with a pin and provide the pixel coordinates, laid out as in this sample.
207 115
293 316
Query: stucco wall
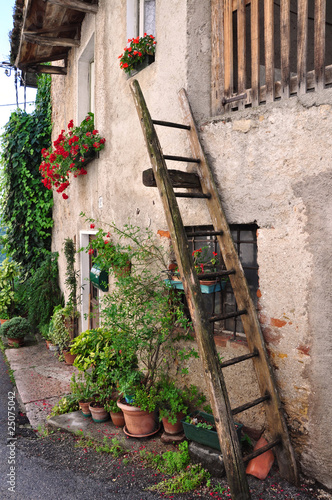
273 166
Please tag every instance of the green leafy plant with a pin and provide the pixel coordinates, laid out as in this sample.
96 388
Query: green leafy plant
146 315
26 207
71 152
82 388
138 49
66 404
187 480
59 334
8 273
168 462
70 311
16 328
40 293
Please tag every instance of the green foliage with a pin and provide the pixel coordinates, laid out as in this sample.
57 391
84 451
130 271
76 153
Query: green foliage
40 293
8 273
59 334
187 480
26 205
147 316
66 404
16 328
169 462
81 387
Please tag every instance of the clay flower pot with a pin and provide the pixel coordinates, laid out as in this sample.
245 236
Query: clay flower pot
69 358
98 412
13 342
84 405
173 428
118 419
139 423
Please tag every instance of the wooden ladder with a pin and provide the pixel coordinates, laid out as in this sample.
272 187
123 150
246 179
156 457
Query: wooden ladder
223 413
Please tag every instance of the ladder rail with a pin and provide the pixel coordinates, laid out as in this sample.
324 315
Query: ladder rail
229 442
277 426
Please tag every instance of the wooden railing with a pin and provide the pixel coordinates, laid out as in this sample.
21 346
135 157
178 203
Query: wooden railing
241 76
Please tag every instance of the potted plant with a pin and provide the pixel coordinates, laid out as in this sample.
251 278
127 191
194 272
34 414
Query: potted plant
139 54
15 329
115 412
82 391
58 333
8 273
72 151
148 318
200 427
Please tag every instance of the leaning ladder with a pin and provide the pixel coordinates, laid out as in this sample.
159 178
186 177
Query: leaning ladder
165 181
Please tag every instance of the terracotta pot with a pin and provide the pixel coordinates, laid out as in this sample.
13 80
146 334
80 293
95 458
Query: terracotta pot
139 423
48 342
13 342
69 358
98 412
85 408
2 321
118 419
173 428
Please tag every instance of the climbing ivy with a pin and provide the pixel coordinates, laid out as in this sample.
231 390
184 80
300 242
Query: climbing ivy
26 205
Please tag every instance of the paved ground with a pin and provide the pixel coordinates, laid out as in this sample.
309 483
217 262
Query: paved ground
41 380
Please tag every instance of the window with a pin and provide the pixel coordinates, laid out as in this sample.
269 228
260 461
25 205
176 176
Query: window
223 302
141 18
264 50
86 81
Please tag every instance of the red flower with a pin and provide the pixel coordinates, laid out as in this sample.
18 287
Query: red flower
95 132
106 242
214 254
90 252
65 196
92 226
71 124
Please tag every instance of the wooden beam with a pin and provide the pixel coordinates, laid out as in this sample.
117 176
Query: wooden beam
79 5
56 29
255 67
49 70
178 179
302 46
217 56
320 30
285 47
241 50
50 41
45 59
269 48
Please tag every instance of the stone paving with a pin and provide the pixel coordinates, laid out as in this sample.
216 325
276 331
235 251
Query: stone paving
41 380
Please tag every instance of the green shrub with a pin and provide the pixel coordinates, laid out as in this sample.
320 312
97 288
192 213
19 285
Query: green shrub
16 328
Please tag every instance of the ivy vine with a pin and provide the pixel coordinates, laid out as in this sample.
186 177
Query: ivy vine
25 204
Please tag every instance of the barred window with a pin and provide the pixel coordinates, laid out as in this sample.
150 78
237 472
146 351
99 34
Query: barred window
223 301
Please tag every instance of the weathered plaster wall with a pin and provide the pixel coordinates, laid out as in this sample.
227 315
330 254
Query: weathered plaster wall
272 165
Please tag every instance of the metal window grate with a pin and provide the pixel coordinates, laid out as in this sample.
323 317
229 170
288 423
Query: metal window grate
223 302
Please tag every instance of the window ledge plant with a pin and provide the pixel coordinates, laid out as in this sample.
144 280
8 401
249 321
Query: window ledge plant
136 53
71 153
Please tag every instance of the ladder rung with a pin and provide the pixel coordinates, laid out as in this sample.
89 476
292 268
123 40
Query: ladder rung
244 357
262 450
171 124
207 276
192 195
205 233
182 158
234 314
246 406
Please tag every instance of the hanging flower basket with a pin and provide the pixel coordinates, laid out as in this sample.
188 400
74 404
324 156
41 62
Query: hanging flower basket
138 55
71 153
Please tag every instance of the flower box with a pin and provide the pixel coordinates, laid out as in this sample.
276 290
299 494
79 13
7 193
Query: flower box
205 436
215 286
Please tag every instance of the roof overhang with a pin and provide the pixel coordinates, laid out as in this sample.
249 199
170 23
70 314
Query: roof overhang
46 30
